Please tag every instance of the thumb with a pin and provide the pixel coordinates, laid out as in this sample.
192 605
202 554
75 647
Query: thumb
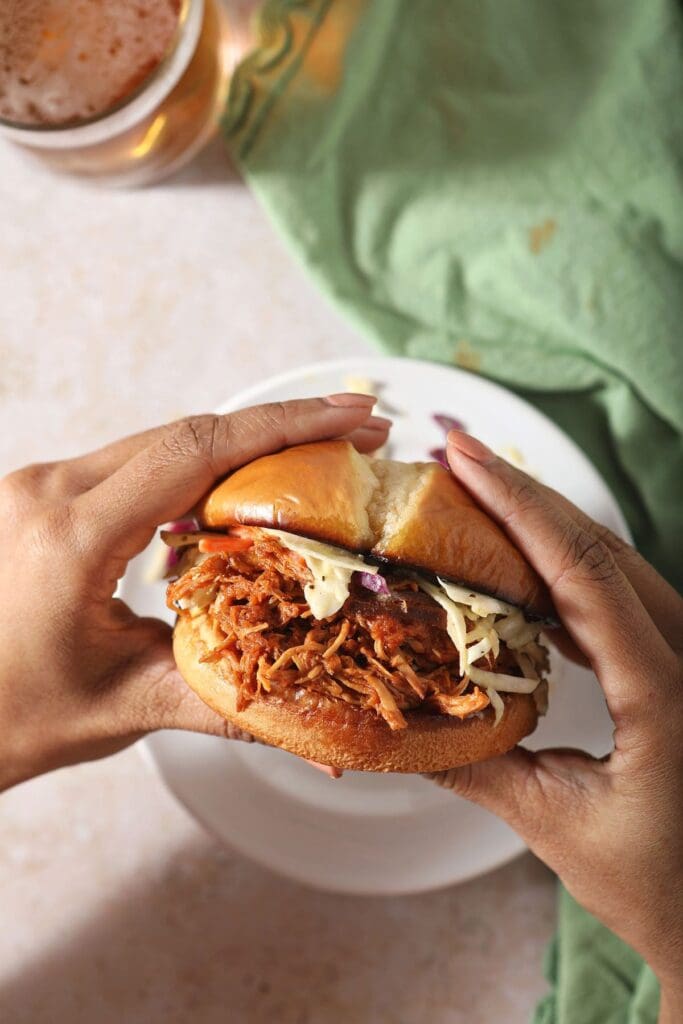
181 708
159 697
542 796
187 711
149 691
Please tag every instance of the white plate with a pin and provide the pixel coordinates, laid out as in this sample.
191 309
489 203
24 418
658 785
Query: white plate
382 834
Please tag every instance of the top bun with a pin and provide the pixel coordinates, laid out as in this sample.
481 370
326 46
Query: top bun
412 514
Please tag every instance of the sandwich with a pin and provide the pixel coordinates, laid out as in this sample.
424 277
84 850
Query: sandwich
359 612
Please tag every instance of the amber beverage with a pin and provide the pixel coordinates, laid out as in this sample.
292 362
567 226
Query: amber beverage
120 90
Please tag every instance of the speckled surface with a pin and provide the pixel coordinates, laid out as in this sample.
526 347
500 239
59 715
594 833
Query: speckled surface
119 310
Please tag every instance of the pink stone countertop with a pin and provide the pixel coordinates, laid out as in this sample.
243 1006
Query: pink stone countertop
119 310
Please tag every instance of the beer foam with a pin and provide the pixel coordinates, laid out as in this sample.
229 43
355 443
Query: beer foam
66 61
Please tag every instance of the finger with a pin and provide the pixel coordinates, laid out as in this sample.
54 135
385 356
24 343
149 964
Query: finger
159 698
542 796
326 769
662 602
91 468
371 436
167 478
561 639
150 693
187 711
191 714
88 470
596 602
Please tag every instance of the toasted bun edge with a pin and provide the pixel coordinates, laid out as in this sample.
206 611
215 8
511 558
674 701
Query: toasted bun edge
405 514
347 737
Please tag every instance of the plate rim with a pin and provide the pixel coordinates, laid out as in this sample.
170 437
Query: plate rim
145 748
245 396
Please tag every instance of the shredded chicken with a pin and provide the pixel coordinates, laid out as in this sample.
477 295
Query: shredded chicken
389 653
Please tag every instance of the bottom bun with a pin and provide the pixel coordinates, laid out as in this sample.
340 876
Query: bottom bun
346 737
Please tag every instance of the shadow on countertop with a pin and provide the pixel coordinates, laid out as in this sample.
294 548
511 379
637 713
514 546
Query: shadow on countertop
215 938
213 165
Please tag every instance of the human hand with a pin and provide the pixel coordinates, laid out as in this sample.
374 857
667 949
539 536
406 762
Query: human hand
612 829
81 676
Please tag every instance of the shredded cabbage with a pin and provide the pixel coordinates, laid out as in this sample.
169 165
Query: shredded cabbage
516 631
478 650
496 683
492 614
480 604
456 627
496 704
501 681
331 568
492 620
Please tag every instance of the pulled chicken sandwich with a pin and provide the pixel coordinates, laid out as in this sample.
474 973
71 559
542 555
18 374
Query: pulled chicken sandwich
359 612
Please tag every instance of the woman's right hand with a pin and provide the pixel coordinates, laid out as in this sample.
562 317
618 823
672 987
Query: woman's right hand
612 829
82 676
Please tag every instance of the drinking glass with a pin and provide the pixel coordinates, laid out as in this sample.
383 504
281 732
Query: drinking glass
124 91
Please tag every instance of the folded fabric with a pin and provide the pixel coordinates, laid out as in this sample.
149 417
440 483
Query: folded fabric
498 186
595 977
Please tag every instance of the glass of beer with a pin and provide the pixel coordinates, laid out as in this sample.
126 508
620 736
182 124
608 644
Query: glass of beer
125 91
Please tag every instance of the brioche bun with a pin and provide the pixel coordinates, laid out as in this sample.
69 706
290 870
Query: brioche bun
347 737
411 514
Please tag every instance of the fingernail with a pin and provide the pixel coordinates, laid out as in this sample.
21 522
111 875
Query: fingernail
351 400
377 423
326 769
469 446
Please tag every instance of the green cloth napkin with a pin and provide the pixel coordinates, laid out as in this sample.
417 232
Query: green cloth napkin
595 977
498 186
